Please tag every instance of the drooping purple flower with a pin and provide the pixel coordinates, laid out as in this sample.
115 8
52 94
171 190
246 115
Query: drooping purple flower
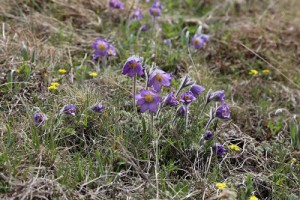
39 118
100 46
158 79
144 27
137 14
171 100
187 97
155 9
205 37
219 149
181 111
223 112
197 90
69 109
216 96
133 66
208 135
98 107
197 42
111 51
116 4
148 100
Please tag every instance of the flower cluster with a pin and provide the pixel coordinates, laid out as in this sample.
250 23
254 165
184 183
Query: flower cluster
102 48
53 86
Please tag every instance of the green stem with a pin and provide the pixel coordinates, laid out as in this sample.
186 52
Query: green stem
134 91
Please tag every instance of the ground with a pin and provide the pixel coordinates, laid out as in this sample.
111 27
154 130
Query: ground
253 54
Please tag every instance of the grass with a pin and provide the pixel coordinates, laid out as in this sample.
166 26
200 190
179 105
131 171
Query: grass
117 154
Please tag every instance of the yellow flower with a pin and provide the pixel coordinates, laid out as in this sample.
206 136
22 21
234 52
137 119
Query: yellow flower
55 84
93 74
17 70
265 71
293 160
253 198
62 71
221 186
253 72
234 147
52 87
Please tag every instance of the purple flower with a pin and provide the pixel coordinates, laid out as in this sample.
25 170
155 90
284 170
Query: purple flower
116 4
144 27
197 42
98 108
223 111
158 79
171 100
157 4
181 111
197 90
133 66
111 51
39 118
205 37
219 149
155 9
100 46
69 109
187 97
148 100
216 96
137 14
208 135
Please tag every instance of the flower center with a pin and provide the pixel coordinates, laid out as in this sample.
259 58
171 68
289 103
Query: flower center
196 42
224 112
149 98
187 98
155 12
110 51
158 77
101 46
133 64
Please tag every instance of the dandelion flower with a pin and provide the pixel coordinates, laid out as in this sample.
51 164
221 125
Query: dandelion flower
265 71
253 198
52 87
253 72
55 84
221 186
62 71
93 74
234 147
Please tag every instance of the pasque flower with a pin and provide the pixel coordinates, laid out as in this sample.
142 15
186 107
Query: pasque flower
39 118
133 66
116 4
216 96
187 97
158 79
98 107
197 42
197 90
171 100
69 109
111 51
219 149
100 46
182 111
137 14
223 112
148 100
155 9
208 135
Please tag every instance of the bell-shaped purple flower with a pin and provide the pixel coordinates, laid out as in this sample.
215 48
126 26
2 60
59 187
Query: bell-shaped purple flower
182 111
137 14
216 96
111 51
98 108
100 46
116 4
133 66
39 118
197 42
205 37
208 135
187 97
219 149
155 9
148 100
171 100
69 109
144 27
197 90
158 79
223 112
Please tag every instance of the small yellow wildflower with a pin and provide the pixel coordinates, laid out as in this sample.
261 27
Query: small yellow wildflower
221 186
62 71
52 87
93 74
253 198
17 70
253 72
55 84
265 71
293 160
234 147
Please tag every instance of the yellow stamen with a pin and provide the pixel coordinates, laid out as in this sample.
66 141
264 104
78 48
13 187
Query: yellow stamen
101 46
133 64
149 98
187 98
158 77
196 42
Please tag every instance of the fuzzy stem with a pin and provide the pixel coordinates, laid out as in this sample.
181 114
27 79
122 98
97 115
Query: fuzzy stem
155 146
134 91
186 116
208 123
98 65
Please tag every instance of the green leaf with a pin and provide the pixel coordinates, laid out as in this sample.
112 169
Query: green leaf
25 52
